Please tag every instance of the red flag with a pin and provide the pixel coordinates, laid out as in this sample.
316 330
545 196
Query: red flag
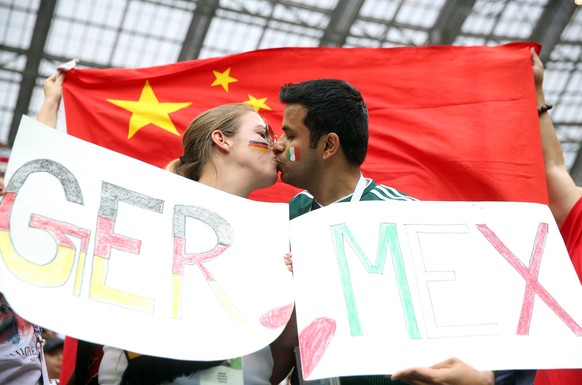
446 123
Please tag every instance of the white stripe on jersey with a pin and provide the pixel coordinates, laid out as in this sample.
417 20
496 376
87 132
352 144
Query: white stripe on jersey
306 193
390 194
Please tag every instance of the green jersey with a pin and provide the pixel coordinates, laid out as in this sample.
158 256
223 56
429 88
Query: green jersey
304 202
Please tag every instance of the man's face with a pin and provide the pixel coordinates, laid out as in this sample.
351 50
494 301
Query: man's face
297 162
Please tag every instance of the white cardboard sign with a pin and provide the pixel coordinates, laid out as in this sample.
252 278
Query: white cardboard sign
108 249
382 286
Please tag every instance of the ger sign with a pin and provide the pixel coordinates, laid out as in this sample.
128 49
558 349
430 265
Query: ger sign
108 249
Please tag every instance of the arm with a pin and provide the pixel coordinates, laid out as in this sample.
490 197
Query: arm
562 190
283 351
450 372
283 348
53 91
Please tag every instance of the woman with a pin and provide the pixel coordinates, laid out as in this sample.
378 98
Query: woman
229 148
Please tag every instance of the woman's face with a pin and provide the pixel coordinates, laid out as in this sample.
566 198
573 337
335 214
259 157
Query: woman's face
253 152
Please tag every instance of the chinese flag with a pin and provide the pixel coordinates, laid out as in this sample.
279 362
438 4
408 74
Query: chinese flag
446 123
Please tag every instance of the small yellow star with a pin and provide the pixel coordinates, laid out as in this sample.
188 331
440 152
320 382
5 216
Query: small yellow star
148 110
257 104
223 79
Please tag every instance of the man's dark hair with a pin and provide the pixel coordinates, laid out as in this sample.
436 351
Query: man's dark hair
332 106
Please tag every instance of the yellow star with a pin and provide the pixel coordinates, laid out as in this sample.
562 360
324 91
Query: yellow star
257 104
223 79
148 110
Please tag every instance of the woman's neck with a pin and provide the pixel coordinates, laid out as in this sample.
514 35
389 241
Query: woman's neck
225 182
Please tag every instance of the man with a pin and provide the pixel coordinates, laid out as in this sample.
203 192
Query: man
325 125
566 206
325 140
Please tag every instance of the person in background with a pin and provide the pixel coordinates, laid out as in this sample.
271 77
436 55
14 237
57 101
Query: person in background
21 360
53 355
325 141
48 334
565 204
81 359
520 377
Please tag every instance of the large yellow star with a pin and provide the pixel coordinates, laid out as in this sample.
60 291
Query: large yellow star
148 110
223 79
257 104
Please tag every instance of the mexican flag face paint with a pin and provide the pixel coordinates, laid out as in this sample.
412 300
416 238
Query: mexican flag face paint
293 154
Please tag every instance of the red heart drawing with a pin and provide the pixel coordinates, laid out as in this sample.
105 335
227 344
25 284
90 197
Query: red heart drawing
277 317
313 342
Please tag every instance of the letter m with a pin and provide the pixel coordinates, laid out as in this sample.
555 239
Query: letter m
388 237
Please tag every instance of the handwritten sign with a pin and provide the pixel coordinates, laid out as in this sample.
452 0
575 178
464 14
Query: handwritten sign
382 286
108 249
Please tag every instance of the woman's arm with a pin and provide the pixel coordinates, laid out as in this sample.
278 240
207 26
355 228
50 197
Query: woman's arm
53 92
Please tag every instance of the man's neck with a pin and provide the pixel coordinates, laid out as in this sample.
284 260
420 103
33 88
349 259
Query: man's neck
334 187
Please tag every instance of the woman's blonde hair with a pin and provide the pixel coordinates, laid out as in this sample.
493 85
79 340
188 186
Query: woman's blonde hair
197 140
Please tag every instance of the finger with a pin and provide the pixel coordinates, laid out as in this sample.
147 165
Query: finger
60 77
534 57
51 78
411 374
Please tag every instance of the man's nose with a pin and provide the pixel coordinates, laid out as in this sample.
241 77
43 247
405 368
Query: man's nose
278 146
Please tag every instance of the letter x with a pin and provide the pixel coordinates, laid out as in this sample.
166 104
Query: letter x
530 275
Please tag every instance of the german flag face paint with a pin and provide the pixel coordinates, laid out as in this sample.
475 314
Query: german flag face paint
293 154
258 146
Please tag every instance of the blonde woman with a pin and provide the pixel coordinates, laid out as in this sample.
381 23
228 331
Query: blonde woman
229 148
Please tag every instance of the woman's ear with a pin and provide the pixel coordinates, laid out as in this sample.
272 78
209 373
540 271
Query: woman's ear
331 145
220 140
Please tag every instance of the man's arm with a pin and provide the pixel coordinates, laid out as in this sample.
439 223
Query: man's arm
283 351
562 190
53 91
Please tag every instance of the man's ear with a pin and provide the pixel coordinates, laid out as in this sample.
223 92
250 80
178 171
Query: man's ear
220 140
331 145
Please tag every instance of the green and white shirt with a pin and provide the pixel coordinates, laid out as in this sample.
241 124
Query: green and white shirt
303 202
